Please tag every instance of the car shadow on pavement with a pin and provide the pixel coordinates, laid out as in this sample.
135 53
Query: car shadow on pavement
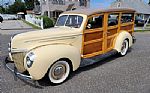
97 64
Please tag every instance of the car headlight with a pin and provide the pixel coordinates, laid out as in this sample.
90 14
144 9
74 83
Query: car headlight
30 59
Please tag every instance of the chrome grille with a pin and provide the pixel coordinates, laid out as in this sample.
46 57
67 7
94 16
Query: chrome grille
18 59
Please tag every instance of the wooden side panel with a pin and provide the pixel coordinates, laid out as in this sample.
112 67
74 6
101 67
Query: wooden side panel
112 32
93 36
110 43
93 47
127 28
93 41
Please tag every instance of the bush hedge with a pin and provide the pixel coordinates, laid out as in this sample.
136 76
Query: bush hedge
47 22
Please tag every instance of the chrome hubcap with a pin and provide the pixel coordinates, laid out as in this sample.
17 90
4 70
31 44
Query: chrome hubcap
123 49
59 71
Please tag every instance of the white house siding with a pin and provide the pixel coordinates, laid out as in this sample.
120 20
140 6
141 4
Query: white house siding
50 7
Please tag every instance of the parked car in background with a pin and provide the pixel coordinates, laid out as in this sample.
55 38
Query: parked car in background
139 21
1 19
9 16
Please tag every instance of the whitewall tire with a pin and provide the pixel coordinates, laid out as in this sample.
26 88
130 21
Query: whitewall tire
124 48
59 72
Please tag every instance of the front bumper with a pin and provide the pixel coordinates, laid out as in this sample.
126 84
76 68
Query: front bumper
15 71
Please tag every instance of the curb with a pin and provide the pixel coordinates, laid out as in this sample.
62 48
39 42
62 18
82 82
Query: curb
16 29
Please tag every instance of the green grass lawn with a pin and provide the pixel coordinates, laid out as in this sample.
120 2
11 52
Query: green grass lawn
142 30
32 25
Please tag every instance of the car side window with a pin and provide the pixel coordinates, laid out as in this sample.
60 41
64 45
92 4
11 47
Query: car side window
126 17
113 19
95 22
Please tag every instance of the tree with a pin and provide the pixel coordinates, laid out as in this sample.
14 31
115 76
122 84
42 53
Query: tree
2 10
16 7
30 4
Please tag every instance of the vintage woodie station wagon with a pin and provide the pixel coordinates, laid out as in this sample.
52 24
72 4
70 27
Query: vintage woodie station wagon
78 34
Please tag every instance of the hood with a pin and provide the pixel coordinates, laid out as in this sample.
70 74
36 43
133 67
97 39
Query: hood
30 40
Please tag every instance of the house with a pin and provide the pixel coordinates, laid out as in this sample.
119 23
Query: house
142 9
52 8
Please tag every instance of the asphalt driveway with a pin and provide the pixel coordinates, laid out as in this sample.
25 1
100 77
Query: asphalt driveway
129 74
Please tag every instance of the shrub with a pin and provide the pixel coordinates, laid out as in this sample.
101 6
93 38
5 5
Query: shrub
47 22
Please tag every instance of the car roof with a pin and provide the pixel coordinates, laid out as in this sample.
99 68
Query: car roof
94 11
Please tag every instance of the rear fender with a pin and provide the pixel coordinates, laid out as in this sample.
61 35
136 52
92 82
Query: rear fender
120 38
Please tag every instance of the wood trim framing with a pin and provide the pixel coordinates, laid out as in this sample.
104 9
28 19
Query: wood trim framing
106 37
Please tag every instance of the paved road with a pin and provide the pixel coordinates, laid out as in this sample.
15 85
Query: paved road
129 74
11 27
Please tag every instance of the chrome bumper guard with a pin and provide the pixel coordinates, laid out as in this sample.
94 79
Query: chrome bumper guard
14 70
134 39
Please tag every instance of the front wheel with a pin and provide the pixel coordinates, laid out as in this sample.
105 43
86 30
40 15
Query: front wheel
59 72
124 48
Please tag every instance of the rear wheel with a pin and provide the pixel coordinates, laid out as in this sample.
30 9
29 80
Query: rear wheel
124 48
59 72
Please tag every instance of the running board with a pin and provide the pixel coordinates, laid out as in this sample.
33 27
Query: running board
95 59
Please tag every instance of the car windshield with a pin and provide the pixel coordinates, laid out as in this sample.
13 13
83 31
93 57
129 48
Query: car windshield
70 21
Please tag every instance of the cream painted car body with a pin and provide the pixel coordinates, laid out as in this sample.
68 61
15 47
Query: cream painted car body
50 45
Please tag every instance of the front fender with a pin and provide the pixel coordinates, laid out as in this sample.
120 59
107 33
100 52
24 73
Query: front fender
47 55
120 38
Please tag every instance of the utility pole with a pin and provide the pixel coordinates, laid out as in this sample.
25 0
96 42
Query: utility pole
2 3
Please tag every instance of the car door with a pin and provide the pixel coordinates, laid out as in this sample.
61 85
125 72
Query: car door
93 36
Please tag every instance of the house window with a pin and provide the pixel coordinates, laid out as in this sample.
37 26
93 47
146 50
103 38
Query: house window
60 2
46 13
44 2
119 5
83 3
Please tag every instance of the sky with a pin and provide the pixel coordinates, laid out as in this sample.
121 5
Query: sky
94 3
104 3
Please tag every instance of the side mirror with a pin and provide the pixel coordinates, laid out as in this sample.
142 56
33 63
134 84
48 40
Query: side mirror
89 26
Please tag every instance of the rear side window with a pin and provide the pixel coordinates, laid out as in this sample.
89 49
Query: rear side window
113 19
127 17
